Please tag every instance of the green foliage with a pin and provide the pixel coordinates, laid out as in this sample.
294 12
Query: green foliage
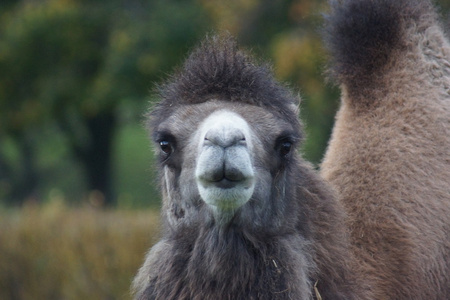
73 66
57 252
76 75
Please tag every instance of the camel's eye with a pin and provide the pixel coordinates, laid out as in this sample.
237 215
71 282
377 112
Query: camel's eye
284 145
166 147
285 148
167 144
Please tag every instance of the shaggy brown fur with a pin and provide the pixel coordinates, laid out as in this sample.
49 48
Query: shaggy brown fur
389 156
280 243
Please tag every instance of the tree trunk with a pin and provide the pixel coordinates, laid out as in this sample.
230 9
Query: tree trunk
96 157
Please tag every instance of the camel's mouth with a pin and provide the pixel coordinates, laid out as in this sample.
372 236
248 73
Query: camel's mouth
226 183
224 170
226 195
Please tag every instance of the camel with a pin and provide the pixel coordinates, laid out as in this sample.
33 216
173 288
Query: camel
244 216
389 155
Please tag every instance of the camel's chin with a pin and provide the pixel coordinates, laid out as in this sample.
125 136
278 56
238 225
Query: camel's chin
226 196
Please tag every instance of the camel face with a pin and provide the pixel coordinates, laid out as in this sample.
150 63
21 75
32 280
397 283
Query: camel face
225 162
224 170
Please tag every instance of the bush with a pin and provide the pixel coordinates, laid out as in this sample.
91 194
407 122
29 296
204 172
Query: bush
57 252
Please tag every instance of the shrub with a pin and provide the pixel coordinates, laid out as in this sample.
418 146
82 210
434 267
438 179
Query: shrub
57 252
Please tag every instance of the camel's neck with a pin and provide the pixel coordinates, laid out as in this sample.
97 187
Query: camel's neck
229 264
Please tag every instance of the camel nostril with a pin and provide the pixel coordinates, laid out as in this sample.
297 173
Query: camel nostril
217 175
233 174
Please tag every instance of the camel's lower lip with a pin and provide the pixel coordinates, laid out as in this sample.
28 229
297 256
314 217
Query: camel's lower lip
226 194
225 183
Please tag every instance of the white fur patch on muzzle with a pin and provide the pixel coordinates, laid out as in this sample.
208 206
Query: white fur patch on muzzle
224 170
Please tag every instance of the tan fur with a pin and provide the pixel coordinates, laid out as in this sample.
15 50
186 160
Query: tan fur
389 160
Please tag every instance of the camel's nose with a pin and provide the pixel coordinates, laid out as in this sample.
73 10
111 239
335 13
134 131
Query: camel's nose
221 143
224 168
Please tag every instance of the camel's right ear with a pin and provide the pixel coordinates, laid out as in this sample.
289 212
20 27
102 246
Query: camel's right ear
295 108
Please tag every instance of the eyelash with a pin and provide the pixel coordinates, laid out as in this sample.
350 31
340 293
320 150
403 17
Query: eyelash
166 144
285 145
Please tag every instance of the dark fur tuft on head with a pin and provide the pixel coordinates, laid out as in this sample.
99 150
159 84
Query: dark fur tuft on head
218 70
362 36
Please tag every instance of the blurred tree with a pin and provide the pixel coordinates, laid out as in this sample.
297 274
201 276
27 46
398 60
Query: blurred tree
76 63
80 65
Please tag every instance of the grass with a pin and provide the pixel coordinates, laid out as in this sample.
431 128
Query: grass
57 252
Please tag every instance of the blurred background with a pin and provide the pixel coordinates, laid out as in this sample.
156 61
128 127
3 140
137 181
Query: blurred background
78 199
